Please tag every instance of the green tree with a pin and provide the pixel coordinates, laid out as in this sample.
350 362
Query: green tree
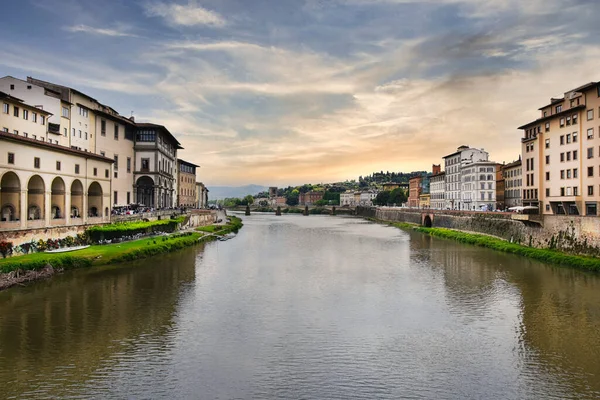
397 196
382 198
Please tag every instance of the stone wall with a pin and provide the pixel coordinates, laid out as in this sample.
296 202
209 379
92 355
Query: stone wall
572 234
24 236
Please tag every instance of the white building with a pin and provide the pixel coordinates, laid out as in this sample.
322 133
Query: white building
478 189
366 198
437 189
347 199
453 164
513 184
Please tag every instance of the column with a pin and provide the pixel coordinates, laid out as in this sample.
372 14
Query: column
134 198
84 212
23 211
156 194
47 207
67 210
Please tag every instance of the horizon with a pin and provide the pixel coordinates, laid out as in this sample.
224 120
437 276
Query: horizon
312 91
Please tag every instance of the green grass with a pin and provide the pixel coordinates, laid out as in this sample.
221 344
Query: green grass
233 225
119 229
490 242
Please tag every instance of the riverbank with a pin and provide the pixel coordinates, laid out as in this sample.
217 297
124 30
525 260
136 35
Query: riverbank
26 268
490 242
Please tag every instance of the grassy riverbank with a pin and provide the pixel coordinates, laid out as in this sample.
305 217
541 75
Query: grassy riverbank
233 225
113 253
544 255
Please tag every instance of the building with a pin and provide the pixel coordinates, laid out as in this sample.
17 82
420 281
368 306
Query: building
310 198
186 184
438 190
478 186
415 190
272 192
366 198
45 185
560 151
154 174
425 200
500 187
512 184
201 195
347 199
453 166
278 201
389 186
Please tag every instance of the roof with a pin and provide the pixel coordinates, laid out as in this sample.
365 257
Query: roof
180 161
53 147
549 117
151 125
8 97
439 174
63 90
577 89
512 164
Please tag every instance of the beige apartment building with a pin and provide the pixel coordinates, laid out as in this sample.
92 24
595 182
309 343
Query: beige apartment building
186 184
561 152
513 181
44 184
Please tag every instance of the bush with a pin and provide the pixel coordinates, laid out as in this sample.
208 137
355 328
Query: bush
118 230
6 248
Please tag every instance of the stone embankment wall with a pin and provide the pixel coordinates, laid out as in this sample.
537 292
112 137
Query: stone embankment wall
17 238
200 218
572 234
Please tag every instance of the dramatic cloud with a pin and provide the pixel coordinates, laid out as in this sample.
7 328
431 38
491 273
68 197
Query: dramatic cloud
185 15
311 91
98 31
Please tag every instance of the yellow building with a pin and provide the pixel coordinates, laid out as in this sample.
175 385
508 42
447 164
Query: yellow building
186 184
425 200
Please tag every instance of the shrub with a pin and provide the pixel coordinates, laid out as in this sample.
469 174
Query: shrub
118 230
6 248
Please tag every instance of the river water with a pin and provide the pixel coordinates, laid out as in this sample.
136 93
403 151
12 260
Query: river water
314 307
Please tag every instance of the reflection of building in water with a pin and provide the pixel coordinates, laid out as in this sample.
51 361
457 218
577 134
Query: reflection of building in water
559 308
87 318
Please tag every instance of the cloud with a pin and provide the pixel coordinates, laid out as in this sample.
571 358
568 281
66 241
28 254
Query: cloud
184 15
98 31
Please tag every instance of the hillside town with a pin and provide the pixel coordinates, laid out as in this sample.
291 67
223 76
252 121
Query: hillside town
70 160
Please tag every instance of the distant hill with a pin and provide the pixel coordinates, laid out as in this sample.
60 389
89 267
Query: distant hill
221 192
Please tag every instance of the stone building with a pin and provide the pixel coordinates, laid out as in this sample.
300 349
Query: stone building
415 189
512 184
453 164
560 154
438 190
478 186
201 195
309 198
186 184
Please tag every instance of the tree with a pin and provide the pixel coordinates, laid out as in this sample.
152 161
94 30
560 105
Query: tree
397 196
382 198
248 200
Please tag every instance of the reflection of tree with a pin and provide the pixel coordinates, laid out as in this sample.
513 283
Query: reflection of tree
560 308
79 320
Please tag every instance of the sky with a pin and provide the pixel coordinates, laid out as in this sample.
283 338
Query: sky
285 92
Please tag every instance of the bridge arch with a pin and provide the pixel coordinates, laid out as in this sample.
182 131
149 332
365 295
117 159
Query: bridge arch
427 221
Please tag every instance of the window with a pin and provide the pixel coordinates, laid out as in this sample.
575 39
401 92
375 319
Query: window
590 190
15 111
42 120
562 122
65 132
575 172
590 152
547 143
128 197
116 174
116 132
568 138
568 120
562 174
590 133
25 114
547 192
568 156
558 108
128 166
590 115
574 137
575 191
85 135
11 158
58 165
145 164
116 162
547 159
83 111
115 197
95 171
575 155
568 174
562 139
591 209
545 113
547 176
5 108
73 132
574 119
590 171
80 134
562 191
36 162
65 112
106 173
76 168
547 126
103 127
562 157
145 136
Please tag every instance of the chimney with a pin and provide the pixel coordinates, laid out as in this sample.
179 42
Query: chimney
436 169
132 118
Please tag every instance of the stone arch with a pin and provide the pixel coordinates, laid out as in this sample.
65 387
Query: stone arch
57 198
36 199
94 197
10 201
427 221
76 199
145 191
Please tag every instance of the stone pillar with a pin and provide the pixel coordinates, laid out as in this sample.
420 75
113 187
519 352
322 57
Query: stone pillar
47 208
333 210
305 213
135 194
156 194
67 211
247 210
23 210
84 212
278 212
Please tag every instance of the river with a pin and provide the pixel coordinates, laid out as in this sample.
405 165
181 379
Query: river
314 307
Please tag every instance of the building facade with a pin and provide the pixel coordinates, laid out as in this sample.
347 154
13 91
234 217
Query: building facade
415 189
366 198
201 195
478 186
347 199
437 191
560 150
310 198
512 184
186 184
453 167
